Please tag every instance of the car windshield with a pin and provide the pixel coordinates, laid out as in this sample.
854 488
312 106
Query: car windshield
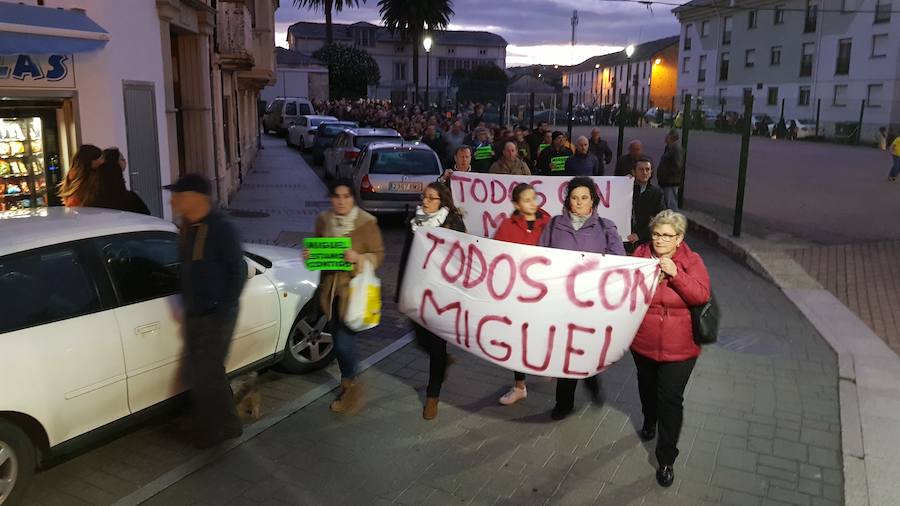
362 141
404 161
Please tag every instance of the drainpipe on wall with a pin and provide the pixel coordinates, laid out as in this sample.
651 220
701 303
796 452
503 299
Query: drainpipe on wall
214 99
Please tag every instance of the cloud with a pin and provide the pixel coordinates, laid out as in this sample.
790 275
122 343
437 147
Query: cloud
562 54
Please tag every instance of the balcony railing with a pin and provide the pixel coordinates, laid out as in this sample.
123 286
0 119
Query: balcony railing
234 33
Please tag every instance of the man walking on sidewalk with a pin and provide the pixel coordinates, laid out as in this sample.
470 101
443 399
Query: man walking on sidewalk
671 170
895 154
213 273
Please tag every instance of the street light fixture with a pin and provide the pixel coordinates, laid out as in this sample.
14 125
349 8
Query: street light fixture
658 61
629 51
594 83
426 43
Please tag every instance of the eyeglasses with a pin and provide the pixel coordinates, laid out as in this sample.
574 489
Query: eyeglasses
664 237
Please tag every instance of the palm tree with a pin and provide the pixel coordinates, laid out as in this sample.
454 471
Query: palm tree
328 6
411 18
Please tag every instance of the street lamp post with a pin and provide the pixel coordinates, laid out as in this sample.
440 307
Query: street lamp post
426 42
628 52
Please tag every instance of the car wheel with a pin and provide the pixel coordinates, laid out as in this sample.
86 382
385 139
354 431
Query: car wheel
308 348
17 462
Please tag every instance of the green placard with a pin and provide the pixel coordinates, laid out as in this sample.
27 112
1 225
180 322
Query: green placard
327 253
484 152
558 163
542 147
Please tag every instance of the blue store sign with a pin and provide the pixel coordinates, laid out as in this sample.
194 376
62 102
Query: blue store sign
37 71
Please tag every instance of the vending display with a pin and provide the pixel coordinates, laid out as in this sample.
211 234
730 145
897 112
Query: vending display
23 182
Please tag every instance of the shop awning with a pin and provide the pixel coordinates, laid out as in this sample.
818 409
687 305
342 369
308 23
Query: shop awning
26 29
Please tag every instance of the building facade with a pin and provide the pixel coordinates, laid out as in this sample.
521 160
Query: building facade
837 58
451 50
297 75
172 83
600 80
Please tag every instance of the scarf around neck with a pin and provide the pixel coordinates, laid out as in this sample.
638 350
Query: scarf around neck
343 225
429 220
578 221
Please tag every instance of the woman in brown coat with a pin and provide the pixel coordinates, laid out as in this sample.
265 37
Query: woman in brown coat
345 219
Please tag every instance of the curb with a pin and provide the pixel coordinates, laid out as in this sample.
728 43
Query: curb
868 370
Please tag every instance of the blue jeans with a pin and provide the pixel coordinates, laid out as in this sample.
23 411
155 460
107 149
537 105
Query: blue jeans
895 170
670 193
345 349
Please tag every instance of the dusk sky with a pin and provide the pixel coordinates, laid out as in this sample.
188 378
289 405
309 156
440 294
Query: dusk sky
538 31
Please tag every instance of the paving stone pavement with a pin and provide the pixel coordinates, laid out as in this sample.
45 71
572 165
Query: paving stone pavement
762 426
865 277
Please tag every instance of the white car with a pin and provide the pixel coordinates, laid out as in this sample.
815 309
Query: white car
302 132
391 177
90 333
804 128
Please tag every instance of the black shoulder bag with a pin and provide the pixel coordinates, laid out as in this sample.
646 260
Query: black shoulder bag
705 321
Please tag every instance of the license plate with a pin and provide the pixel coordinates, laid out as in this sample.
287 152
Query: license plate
406 187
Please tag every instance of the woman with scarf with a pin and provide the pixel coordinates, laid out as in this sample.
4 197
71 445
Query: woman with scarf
579 228
345 219
437 210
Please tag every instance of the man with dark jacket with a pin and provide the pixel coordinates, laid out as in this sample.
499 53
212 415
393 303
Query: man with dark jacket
625 163
433 140
552 160
213 273
482 151
535 138
646 202
583 162
599 148
671 170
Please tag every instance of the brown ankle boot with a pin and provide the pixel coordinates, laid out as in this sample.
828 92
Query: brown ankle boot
431 408
339 405
355 399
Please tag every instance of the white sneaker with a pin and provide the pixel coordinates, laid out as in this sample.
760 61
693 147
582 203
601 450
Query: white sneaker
513 396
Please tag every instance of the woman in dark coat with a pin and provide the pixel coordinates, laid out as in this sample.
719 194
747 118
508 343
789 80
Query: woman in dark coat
111 190
664 350
437 210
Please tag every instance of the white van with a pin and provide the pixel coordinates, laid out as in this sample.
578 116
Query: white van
285 110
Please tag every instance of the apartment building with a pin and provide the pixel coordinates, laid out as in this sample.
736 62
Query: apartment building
839 58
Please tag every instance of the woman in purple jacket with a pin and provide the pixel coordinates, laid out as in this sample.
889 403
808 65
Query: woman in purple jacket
579 228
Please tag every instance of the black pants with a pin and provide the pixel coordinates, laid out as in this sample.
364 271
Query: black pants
519 376
565 391
661 386
437 359
207 339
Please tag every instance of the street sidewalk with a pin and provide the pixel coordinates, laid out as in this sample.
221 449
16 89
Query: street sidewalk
822 281
762 426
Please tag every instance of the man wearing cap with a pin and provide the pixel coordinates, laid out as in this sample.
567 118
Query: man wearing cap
671 170
552 160
213 273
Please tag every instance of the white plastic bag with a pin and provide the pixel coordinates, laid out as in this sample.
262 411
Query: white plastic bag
364 302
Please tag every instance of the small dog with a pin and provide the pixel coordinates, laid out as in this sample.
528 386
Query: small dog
246 395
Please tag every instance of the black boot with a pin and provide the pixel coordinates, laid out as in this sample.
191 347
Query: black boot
595 387
665 475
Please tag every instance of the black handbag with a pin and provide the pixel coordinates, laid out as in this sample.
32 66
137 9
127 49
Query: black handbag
705 321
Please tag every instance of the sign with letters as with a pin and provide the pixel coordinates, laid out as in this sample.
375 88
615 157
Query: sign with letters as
327 253
37 71
542 311
486 199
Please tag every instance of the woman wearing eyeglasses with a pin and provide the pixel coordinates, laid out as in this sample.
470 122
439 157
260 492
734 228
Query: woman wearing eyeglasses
437 211
664 350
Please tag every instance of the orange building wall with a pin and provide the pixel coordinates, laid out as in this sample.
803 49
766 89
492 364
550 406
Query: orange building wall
664 80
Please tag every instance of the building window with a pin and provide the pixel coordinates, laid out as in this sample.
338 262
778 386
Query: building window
750 58
882 11
722 92
873 95
704 29
701 69
482 51
752 19
812 14
842 66
879 45
451 50
779 14
645 70
700 92
726 30
723 66
806 60
848 6
687 36
399 71
772 96
399 49
364 37
840 95
775 56
684 64
803 96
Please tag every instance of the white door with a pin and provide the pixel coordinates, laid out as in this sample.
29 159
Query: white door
61 358
256 333
144 270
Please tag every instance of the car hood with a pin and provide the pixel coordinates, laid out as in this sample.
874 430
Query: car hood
279 256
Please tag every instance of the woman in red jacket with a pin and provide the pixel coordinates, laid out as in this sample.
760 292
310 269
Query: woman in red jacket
523 227
664 350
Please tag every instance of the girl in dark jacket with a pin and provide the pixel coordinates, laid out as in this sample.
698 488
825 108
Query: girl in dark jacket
437 210
579 228
111 190
524 227
664 350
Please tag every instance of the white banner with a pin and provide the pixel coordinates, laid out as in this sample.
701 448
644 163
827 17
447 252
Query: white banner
487 198
541 311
